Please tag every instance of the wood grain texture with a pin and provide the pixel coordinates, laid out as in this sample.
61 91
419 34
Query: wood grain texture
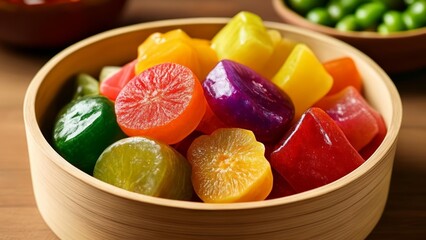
404 216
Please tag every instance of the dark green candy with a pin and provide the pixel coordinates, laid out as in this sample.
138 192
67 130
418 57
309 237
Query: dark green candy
83 129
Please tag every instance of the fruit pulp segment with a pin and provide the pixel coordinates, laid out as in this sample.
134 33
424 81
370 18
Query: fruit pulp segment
145 166
229 166
165 102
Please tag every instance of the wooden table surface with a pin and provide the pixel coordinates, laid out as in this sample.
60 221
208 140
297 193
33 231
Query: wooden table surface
405 213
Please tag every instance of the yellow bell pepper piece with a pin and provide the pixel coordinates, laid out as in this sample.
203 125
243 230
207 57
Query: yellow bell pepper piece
177 47
303 78
244 39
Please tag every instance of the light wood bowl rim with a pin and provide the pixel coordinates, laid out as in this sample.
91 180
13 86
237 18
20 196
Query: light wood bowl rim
291 16
33 127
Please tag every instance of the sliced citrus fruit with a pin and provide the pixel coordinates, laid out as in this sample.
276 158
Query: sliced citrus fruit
146 166
165 102
229 166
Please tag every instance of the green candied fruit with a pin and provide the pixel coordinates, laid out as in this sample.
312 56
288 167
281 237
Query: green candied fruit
86 85
83 129
146 166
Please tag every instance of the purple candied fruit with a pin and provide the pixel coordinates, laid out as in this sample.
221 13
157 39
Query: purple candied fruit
242 98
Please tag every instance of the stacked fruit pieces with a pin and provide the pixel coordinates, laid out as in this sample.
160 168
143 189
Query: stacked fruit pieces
247 116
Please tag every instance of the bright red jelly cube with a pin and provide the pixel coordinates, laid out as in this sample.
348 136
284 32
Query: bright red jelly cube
353 115
372 146
112 86
314 152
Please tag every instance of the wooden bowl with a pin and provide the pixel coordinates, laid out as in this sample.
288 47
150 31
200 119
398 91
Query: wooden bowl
395 53
55 24
76 205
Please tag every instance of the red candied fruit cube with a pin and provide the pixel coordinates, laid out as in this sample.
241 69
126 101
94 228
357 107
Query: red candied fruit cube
280 187
314 152
353 115
112 85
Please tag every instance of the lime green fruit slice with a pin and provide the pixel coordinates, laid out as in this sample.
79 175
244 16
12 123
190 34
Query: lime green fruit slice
83 129
146 166
86 85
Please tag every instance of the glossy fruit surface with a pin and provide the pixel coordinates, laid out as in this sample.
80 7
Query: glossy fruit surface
111 86
353 115
165 102
229 166
314 153
244 39
176 46
146 166
242 98
303 86
83 129
344 73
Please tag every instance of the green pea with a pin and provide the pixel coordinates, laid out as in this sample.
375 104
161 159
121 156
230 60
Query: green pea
351 5
393 4
415 15
383 29
304 6
369 14
320 16
336 11
408 2
348 23
393 21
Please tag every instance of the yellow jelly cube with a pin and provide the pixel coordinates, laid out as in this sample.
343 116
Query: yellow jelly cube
303 78
245 40
177 47
282 49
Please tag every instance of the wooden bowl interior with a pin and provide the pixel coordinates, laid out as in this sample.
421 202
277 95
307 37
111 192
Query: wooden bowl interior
99 203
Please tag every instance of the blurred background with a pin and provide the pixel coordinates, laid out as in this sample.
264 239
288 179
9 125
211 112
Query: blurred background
33 31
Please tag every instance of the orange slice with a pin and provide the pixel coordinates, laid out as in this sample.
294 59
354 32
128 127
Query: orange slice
229 166
165 102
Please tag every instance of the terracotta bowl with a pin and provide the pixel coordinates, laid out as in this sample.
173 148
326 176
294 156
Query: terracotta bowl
76 205
395 53
55 23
